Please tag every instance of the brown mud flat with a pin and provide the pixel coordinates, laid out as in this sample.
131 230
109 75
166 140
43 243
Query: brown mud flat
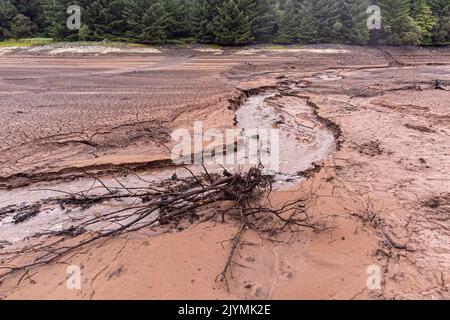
384 191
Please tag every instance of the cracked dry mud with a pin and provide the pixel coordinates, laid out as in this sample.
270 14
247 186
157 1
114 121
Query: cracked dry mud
385 190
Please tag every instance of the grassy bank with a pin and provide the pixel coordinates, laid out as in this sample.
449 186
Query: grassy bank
25 42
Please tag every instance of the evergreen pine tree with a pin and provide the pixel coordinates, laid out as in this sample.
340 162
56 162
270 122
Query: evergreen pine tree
286 21
21 27
203 14
398 25
441 30
154 23
178 24
34 11
133 15
232 26
117 22
354 21
282 4
56 20
422 15
147 20
104 16
264 25
288 26
327 17
308 32
7 12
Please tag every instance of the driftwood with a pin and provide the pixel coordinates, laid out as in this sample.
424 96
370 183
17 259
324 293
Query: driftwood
236 197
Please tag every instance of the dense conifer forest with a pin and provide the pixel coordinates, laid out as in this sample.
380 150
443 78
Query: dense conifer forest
230 22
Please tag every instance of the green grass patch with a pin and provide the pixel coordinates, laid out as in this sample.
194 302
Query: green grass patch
282 47
43 41
28 42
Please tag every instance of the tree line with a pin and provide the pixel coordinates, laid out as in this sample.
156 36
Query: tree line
231 22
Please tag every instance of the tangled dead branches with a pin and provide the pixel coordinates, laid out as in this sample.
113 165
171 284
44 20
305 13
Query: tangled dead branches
235 196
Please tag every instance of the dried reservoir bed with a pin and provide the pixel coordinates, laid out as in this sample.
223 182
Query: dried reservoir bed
365 146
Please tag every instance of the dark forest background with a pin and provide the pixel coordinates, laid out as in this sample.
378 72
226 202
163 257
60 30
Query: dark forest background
230 22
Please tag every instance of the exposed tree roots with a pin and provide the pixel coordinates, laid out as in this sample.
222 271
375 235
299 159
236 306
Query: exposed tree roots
235 197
